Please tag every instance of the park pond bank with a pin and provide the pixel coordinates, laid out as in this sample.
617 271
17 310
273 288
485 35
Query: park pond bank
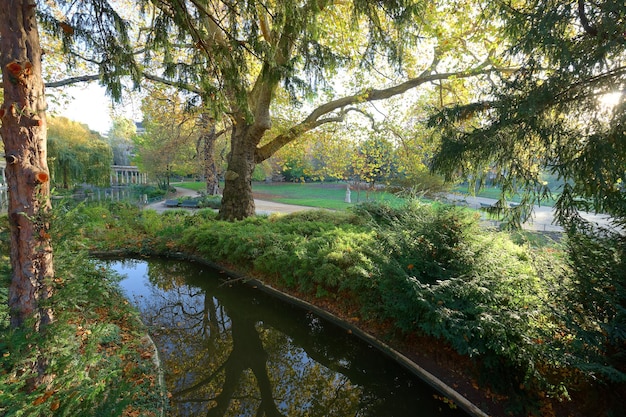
227 346
473 308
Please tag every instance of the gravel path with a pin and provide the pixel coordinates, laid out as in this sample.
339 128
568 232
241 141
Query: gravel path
262 206
541 220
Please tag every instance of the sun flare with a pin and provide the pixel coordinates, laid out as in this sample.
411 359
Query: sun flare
610 100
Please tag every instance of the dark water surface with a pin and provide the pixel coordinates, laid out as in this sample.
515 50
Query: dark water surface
231 350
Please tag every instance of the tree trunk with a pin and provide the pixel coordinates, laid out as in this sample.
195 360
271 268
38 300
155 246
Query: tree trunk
23 131
208 139
66 182
237 200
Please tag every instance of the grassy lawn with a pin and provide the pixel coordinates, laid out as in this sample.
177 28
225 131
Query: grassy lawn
494 192
332 195
322 195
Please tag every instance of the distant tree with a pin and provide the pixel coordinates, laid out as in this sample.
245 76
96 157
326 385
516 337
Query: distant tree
415 145
167 146
377 163
77 155
121 138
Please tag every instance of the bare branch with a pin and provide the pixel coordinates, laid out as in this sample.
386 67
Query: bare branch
73 80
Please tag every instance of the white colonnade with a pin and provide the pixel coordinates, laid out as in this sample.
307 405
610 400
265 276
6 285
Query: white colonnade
127 175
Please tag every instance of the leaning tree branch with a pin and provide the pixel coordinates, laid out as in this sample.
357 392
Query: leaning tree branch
317 117
292 134
584 21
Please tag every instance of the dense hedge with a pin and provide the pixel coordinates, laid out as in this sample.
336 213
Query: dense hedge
534 323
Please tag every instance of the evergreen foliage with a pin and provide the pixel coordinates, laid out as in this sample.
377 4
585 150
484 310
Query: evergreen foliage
598 295
93 31
238 41
552 115
562 113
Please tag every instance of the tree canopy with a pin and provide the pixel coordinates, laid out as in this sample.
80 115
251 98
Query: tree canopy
562 112
94 37
250 49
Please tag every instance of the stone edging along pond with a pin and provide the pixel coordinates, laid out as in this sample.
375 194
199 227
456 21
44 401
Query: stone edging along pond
156 360
422 373
449 392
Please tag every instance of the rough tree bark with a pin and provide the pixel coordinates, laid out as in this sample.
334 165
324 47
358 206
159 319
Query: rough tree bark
237 201
23 131
208 139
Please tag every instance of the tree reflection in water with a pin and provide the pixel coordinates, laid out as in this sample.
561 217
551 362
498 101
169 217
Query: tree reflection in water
237 352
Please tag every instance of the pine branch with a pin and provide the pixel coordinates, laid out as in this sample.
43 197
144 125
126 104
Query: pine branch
177 84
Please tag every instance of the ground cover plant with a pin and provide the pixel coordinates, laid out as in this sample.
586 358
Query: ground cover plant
99 360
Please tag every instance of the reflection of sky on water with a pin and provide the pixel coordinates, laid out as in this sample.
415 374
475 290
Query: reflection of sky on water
311 367
135 283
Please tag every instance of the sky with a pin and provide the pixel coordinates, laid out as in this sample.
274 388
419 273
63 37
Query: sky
90 105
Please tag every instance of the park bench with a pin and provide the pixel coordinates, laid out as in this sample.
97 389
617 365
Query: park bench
189 204
171 203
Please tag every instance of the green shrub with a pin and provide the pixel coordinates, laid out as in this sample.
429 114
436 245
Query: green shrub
530 318
150 191
96 370
595 305
317 254
210 201
443 276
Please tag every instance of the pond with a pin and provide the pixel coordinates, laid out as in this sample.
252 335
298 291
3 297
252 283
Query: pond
232 350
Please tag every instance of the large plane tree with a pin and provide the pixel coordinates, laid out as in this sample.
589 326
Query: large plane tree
249 49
